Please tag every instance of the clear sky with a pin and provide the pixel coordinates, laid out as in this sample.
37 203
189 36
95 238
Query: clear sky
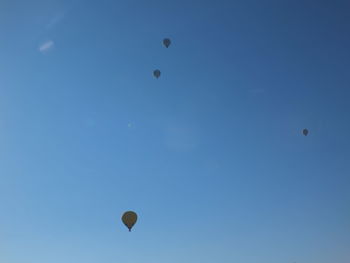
210 155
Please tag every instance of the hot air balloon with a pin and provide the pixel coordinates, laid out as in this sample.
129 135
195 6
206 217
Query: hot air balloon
166 42
129 219
156 73
305 132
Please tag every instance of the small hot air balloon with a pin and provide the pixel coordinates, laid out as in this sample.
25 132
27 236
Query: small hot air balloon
129 219
166 42
156 73
305 132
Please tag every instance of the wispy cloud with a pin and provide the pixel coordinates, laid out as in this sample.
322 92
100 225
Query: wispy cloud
55 20
45 47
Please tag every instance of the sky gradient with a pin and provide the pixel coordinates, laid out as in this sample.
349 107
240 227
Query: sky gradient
210 155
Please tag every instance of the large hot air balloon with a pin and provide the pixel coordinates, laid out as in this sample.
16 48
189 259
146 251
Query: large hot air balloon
166 42
305 132
156 73
129 219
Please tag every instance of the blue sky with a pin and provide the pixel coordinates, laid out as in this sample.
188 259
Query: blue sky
210 155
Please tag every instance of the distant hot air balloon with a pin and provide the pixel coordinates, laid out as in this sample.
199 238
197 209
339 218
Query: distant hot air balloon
156 73
129 219
166 42
305 132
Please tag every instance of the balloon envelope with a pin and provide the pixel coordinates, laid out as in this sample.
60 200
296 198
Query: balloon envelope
129 219
166 42
305 132
156 73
